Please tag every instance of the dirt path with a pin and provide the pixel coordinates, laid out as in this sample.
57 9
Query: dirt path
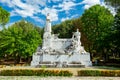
56 78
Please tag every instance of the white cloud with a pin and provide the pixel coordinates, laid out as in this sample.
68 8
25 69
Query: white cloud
56 0
36 2
67 18
36 18
24 13
28 8
31 8
67 5
20 4
112 10
53 13
61 0
9 24
13 13
63 19
24 9
76 15
89 3
8 3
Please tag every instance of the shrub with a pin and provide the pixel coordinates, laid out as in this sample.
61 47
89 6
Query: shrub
64 73
89 73
32 72
99 73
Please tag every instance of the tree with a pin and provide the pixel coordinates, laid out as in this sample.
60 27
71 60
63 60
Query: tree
97 22
114 3
20 40
116 28
116 34
4 16
64 29
40 31
117 25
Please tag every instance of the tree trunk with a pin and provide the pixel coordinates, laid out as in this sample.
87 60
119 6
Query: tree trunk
105 57
17 59
29 59
91 56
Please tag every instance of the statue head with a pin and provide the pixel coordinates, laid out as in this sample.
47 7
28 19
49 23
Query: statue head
77 30
48 17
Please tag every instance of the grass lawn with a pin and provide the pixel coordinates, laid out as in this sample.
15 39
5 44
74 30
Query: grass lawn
106 67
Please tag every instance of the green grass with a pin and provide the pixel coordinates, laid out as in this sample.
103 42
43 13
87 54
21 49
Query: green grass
106 67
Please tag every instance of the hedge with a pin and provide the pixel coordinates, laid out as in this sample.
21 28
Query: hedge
111 73
38 72
43 72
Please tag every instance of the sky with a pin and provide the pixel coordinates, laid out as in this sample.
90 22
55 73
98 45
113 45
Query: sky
35 11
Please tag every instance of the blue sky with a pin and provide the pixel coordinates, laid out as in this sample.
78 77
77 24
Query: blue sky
35 10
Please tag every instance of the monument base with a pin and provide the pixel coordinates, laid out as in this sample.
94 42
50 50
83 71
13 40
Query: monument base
50 60
60 52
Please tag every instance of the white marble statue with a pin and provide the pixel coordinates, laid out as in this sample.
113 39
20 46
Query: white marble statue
56 50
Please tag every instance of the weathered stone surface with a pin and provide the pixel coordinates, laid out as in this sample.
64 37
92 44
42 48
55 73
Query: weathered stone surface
60 52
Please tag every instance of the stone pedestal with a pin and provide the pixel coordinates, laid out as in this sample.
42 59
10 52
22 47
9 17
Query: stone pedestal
84 59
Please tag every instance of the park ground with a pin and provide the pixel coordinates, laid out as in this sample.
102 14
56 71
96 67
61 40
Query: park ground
56 78
73 70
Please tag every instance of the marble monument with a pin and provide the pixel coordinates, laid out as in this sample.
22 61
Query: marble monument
57 52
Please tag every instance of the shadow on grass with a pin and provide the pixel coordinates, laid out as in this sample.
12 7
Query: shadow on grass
106 67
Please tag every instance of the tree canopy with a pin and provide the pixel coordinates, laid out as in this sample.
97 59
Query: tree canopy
97 22
19 40
64 29
114 3
4 16
116 27
116 34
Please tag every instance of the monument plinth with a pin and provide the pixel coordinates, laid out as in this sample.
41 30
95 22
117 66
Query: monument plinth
57 52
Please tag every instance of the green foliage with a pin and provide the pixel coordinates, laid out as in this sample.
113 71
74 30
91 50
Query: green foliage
40 31
116 35
111 73
117 25
4 16
89 73
97 22
19 40
114 3
64 29
32 72
65 73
